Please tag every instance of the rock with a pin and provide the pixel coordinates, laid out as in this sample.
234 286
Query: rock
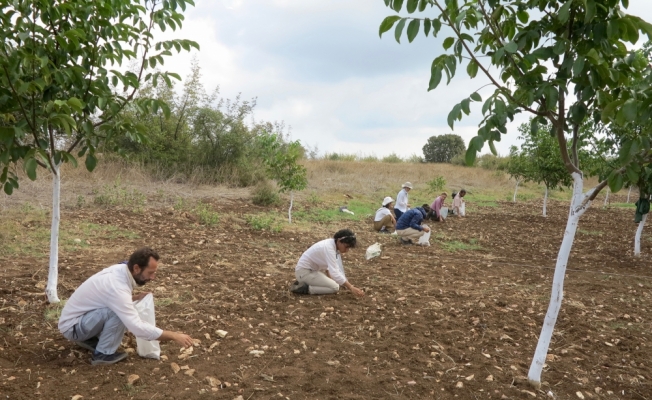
132 379
598 389
221 334
333 363
579 395
77 240
256 353
239 398
490 378
459 385
77 397
190 372
175 367
529 393
411 383
470 377
213 382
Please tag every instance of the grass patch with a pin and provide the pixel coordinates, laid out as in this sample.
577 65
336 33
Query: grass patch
331 213
205 215
117 195
590 233
52 312
264 222
622 205
456 245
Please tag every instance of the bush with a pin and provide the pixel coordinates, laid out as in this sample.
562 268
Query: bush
491 162
265 194
437 184
461 160
265 222
415 159
206 216
340 157
392 158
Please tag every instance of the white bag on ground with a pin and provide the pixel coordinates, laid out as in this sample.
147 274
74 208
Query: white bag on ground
425 239
463 209
443 212
373 251
147 348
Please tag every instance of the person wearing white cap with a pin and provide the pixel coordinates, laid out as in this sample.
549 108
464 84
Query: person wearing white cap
384 221
402 204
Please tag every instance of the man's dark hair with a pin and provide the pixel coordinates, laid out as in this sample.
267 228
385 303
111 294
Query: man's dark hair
141 258
346 236
462 192
426 208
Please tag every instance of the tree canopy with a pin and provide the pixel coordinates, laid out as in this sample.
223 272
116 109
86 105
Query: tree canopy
442 148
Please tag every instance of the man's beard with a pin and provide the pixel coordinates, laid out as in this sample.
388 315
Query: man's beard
139 280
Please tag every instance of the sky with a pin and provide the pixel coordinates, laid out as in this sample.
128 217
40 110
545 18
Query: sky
320 67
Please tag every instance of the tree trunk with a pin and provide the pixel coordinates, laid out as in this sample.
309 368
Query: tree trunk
606 198
637 238
516 190
628 193
577 208
545 203
53 271
290 209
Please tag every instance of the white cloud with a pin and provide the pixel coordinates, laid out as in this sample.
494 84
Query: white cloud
319 66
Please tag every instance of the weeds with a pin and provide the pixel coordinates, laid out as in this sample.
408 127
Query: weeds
116 195
264 194
265 222
53 311
456 245
206 216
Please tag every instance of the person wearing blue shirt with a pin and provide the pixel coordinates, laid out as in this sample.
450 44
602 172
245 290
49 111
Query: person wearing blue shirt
408 226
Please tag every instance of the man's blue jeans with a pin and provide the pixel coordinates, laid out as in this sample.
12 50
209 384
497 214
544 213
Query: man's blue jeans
101 323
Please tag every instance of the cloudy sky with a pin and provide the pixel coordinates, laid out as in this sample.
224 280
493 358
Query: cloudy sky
319 66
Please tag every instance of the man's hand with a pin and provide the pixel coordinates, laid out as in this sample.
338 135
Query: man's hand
357 292
426 229
183 339
139 296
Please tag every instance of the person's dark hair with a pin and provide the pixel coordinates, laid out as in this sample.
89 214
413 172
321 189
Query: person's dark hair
426 208
462 192
141 258
346 236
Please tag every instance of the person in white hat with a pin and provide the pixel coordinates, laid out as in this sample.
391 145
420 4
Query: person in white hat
402 204
384 222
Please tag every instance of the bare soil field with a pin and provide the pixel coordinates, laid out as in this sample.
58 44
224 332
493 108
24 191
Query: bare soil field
458 319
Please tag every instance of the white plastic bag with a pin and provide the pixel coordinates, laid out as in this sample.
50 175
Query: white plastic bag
463 209
373 251
443 212
147 348
425 239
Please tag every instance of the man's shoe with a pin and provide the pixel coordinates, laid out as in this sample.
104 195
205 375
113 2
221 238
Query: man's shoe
300 288
106 359
88 344
405 241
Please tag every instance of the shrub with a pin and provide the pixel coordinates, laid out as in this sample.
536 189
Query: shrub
491 162
265 194
263 222
436 184
206 215
392 158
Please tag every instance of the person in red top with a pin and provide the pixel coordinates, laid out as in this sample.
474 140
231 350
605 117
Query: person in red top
437 205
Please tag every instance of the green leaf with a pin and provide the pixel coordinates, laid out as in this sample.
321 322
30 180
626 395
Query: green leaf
559 48
91 162
629 110
30 168
522 16
632 175
578 66
564 12
475 96
511 47
413 29
615 182
387 24
397 5
426 26
9 188
609 111
472 69
448 42
492 147
466 106
412 6
399 30
454 114
590 11
435 76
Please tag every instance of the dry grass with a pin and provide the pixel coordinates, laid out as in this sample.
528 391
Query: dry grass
328 181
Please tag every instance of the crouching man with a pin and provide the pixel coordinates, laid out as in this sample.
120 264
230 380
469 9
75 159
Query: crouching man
102 308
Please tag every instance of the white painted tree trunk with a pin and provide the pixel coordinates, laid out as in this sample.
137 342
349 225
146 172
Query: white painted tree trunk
637 238
53 271
628 193
290 209
545 203
579 204
606 198
516 190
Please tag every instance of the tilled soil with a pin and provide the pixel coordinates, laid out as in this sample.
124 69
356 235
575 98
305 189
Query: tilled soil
458 319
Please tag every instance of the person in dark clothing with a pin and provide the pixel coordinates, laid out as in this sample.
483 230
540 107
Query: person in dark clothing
409 226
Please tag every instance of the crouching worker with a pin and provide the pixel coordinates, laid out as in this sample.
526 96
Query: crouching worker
102 308
320 269
384 220
408 227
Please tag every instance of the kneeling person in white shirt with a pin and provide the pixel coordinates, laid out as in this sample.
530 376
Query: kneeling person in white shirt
102 308
321 258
